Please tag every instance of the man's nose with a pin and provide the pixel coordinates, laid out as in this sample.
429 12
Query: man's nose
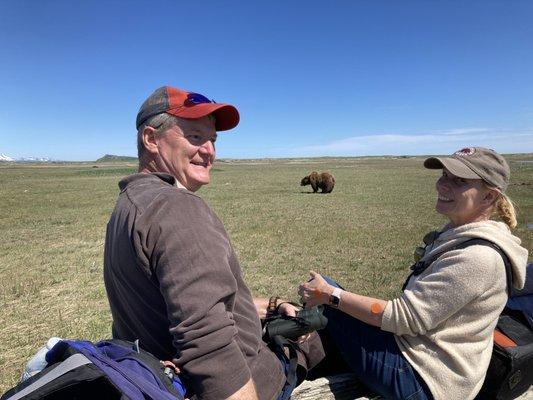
208 147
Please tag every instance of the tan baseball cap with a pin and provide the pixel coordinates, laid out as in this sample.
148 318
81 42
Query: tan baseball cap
475 163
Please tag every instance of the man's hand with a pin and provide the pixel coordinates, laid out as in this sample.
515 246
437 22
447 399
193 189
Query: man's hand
284 307
287 309
315 291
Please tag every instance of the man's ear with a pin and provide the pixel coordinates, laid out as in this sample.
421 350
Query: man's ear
149 140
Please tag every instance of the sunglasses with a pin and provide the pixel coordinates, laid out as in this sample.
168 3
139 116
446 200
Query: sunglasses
196 98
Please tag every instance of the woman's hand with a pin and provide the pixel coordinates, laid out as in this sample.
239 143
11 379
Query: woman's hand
315 291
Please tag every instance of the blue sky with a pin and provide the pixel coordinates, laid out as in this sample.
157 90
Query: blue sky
310 78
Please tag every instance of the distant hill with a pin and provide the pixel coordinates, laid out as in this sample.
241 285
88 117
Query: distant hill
113 158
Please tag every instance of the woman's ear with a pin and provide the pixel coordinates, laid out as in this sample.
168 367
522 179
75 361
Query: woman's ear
149 139
491 196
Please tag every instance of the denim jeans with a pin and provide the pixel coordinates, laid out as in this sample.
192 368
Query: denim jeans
374 356
287 388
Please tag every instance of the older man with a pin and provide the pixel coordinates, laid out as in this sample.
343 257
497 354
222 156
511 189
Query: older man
172 277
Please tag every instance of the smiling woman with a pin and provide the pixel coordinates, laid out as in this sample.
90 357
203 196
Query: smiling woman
464 200
472 186
435 340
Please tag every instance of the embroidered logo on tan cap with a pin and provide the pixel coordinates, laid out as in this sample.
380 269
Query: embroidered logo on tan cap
467 151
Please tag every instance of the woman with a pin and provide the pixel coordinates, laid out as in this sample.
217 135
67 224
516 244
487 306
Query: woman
435 340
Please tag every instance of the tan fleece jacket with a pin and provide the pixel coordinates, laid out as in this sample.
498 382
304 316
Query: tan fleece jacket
444 320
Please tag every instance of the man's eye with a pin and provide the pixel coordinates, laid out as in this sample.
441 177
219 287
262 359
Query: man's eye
194 138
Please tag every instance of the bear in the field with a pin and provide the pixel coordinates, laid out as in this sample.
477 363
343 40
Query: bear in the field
324 181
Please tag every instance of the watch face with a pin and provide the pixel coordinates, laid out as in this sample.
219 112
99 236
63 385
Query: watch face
334 301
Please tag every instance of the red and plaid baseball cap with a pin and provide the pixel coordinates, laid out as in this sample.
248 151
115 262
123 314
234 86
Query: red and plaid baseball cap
187 105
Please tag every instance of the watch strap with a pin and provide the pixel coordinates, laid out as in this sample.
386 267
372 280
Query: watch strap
335 297
272 307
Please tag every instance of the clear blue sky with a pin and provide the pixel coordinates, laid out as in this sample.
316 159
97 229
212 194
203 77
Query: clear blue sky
309 78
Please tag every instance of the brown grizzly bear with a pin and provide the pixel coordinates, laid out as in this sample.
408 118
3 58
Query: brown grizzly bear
324 181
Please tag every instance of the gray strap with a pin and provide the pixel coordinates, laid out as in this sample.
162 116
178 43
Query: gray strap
74 361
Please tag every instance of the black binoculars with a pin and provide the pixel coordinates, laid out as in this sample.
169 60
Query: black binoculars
306 321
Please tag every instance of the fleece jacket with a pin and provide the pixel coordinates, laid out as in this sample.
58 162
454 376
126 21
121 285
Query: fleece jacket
443 321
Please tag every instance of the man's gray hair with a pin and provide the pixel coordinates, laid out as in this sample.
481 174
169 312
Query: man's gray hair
160 122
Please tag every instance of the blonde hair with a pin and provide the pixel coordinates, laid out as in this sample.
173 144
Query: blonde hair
506 210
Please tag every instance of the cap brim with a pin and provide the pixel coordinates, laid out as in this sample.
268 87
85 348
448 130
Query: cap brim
453 165
226 115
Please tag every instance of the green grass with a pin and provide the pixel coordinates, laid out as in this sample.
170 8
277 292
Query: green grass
363 234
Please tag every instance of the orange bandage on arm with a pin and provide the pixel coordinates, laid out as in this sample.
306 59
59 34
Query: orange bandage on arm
376 308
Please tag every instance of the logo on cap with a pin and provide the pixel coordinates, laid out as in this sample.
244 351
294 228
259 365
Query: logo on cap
467 151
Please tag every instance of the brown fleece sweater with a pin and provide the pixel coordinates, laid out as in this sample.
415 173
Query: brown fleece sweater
174 282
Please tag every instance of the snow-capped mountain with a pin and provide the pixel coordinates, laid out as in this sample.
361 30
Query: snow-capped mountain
34 159
3 157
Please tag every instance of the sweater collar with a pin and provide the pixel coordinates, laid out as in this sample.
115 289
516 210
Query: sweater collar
153 176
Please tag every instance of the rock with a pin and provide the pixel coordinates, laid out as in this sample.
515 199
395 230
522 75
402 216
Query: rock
347 387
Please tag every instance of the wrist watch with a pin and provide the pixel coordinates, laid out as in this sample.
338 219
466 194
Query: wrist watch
335 297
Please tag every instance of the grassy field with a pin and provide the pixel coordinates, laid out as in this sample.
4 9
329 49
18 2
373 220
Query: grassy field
53 222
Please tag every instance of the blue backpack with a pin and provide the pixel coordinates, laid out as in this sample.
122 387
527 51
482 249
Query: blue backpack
110 369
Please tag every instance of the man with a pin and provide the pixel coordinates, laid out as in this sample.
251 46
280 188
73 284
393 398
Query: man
172 278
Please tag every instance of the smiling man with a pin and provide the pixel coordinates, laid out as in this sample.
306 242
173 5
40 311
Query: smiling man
172 278
177 132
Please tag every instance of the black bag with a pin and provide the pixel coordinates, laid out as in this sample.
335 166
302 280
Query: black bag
510 371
